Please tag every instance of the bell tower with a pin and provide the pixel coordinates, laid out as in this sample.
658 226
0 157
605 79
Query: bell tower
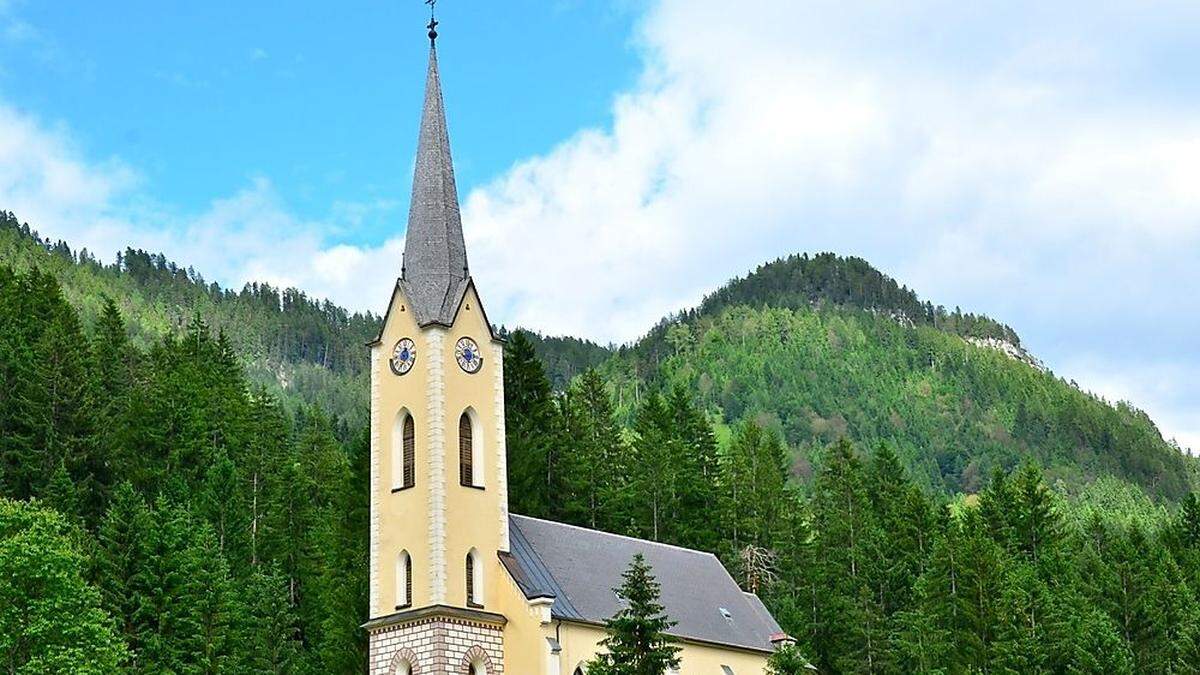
439 497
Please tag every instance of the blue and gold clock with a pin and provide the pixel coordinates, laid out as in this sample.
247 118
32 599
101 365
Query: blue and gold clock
466 352
404 355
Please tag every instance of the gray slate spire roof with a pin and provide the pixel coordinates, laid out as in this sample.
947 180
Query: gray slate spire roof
434 276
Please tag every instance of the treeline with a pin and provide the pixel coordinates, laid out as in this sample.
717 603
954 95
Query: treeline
219 533
564 358
953 411
303 349
866 569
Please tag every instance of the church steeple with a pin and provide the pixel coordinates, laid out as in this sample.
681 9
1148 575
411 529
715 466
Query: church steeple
434 272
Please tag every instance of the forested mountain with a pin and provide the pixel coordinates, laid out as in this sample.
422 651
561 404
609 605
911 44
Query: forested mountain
799 282
819 346
952 410
301 348
188 466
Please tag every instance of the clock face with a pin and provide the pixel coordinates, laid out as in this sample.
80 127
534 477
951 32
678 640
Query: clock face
403 356
468 356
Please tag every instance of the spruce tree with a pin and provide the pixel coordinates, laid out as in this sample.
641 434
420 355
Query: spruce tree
850 631
530 419
593 465
637 642
697 473
788 661
653 493
268 636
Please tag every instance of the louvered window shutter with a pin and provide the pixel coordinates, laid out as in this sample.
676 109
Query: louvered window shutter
466 472
410 452
408 580
470 580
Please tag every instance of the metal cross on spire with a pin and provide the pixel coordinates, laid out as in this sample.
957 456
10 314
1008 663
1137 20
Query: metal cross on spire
433 24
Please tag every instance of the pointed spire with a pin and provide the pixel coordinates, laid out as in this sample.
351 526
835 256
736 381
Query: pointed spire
435 255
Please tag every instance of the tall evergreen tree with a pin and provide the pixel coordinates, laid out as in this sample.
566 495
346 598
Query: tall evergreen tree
637 642
530 422
268 634
697 479
653 492
850 631
593 465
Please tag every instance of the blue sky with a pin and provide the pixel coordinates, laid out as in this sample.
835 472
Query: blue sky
1038 162
319 97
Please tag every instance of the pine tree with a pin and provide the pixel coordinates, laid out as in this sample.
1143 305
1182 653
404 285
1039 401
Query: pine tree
593 464
119 558
49 416
906 527
268 636
215 609
964 593
114 368
637 642
651 499
754 483
167 584
529 420
222 504
697 485
1036 528
849 634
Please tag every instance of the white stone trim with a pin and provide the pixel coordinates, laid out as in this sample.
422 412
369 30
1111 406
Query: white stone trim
375 470
436 646
435 400
500 445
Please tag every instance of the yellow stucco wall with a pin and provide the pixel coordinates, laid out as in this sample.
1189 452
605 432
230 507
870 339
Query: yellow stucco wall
581 642
438 520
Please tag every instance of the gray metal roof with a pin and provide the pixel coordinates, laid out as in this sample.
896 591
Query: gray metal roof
581 567
434 276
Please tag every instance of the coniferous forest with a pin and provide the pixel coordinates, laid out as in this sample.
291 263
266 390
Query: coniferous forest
183 474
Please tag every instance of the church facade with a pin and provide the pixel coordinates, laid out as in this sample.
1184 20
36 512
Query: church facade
458 585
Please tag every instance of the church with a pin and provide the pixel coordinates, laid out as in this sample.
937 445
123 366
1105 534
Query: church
458 584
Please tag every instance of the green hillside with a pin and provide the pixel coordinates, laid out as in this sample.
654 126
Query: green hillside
819 347
174 489
300 348
952 410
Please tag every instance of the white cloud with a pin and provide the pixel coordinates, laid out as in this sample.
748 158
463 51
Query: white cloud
837 125
1036 162
249 236
1027 161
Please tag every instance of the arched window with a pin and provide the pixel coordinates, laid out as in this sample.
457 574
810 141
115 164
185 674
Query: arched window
404 662
470 463
403 580
404 446
474 578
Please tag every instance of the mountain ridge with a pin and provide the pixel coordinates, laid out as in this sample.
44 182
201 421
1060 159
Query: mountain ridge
840 310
